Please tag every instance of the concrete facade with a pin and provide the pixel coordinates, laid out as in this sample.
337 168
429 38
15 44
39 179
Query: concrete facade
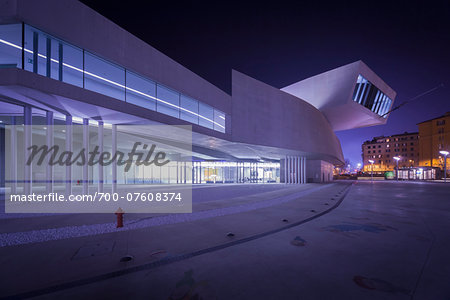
331 92
261 123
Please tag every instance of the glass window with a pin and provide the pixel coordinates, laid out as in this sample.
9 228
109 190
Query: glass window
371 97
55 68
189 109
29 48
219 121
54 58
35 51
42 53
141 91
10 46
206 116
388 106
168 101
104 77
72 65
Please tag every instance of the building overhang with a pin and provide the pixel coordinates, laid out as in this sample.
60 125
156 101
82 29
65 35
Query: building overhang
332 93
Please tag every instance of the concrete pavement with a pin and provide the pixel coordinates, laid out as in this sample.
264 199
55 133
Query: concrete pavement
386 240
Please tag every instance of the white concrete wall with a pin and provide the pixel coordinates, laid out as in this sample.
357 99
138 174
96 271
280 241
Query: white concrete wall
264 115
319 171
331 92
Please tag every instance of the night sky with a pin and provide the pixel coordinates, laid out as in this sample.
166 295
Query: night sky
406 43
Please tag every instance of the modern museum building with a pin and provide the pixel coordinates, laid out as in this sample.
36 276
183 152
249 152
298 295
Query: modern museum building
62 63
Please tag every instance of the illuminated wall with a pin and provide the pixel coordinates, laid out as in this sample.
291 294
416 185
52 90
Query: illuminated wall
434 137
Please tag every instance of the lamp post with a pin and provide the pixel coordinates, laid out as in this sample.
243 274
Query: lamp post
445 153
397 158
371 162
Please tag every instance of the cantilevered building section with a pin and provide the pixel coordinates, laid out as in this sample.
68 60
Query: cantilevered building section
350 96
56 70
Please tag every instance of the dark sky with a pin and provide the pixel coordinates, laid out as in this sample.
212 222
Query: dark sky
407 43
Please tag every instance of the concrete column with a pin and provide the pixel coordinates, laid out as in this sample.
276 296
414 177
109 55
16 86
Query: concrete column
194 172
238 170
241 172
86 149
168 173
302 175
293 169
285 169
264 175
185 173
100 166
28 181
299 170
50 142
13 168
289 170
304 170
114 164
68 188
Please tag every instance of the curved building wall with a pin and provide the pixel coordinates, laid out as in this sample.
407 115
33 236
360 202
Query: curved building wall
264 115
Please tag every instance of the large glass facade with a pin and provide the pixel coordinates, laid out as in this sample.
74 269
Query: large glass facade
169 103
140 91
48 56
371 97
206 113
10 49
189 109
103 77
235 172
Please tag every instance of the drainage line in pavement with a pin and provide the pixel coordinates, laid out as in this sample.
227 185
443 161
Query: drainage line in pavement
169 260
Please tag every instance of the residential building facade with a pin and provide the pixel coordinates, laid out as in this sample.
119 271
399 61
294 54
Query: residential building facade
434 137
383 149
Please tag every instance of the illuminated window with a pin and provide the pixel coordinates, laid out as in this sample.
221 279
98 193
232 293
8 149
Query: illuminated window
10 51
368 95
48 56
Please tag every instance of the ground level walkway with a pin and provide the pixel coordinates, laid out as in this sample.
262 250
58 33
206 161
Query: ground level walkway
344 240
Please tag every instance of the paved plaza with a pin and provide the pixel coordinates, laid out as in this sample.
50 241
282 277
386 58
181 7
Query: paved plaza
344 240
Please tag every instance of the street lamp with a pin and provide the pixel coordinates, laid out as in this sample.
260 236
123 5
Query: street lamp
397 158
371 161
445 153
